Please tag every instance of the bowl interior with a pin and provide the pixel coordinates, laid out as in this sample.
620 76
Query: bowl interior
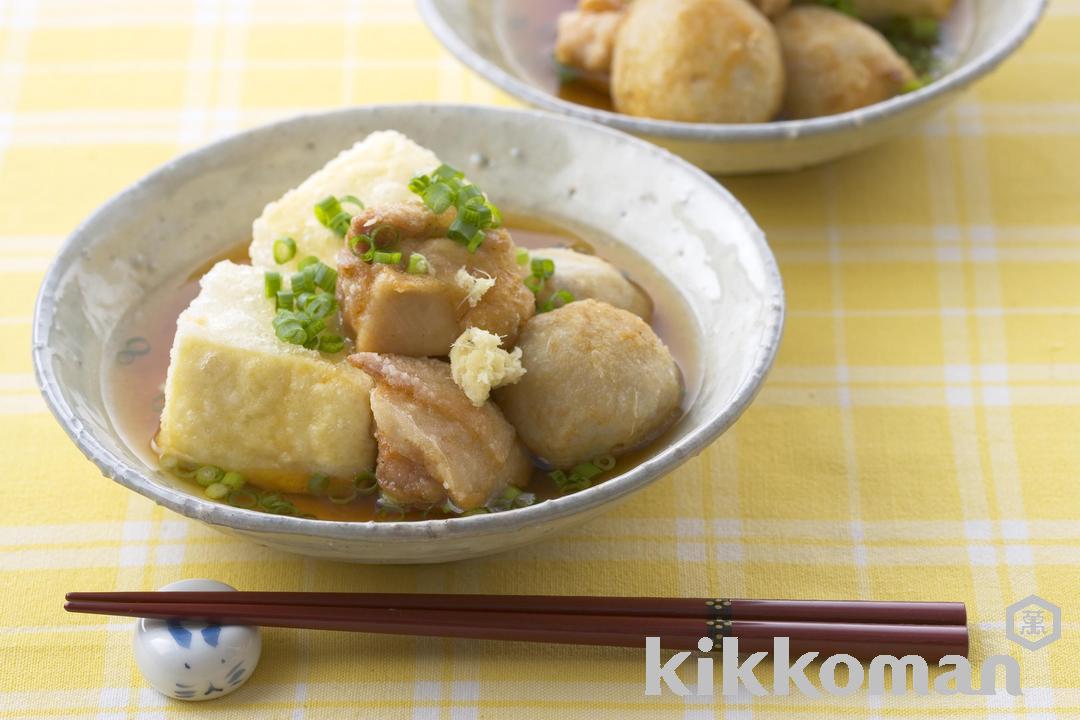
572 173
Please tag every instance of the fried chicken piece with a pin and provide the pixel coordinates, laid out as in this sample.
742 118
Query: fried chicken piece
585 39
392 311
433 442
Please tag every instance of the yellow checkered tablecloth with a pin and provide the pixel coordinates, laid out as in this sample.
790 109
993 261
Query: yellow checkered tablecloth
917 438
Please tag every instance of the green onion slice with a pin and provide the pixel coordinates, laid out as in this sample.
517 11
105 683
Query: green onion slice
233 480
217 491
307 262
366 483
207 475
272 283
330 343
604 462
284 249
387 258
243 499
318 483
418 264
343 497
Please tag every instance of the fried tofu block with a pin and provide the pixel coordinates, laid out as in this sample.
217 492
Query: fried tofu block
238 397
376 170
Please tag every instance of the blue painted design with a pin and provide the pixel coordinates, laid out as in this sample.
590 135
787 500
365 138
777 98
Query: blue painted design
179 633
210 634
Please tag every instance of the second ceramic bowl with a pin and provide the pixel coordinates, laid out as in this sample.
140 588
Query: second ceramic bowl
510 42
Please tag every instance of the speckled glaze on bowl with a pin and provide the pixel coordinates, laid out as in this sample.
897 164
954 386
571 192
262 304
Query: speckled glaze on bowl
533 163
987 32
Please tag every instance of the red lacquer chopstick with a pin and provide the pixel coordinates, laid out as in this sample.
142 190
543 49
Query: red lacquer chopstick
845 611
858 639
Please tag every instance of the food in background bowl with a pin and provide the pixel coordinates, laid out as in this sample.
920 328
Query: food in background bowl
733 61
385 350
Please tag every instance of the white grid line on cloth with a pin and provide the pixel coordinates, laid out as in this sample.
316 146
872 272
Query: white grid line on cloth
847 421
957 349
1004 463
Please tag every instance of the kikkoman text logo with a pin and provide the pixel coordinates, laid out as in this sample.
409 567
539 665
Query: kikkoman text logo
740 676
1032 622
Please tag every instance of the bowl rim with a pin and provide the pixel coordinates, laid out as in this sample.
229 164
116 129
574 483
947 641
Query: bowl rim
952 81
214 513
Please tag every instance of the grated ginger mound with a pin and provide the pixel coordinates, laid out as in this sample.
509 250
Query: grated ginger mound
474 286
479 365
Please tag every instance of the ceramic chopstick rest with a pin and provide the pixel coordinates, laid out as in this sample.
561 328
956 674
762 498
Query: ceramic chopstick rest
195 660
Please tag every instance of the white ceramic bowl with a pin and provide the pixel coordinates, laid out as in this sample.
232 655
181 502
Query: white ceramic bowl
576 173
979 35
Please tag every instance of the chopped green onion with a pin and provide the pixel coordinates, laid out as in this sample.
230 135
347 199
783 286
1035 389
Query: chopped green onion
556 301
369 250
352 200
303 281
243 499
586 470
343 497
366 483
168 462
217 491
331 344
207 475
330 215
579 477
307 262
315 327
418 265
233 480
269 499
525 500
284 249
318 483
289 327
319 306
543 268
446 172
447 187
383 229
462 231
272 283
325 277
522 256
387 258
284 301
604 462
476 511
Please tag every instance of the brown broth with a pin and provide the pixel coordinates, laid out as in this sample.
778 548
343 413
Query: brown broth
134 389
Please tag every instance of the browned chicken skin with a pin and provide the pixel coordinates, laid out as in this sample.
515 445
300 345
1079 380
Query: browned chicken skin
433 442
391 311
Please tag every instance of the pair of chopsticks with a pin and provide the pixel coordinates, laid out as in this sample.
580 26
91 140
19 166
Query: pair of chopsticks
859 628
